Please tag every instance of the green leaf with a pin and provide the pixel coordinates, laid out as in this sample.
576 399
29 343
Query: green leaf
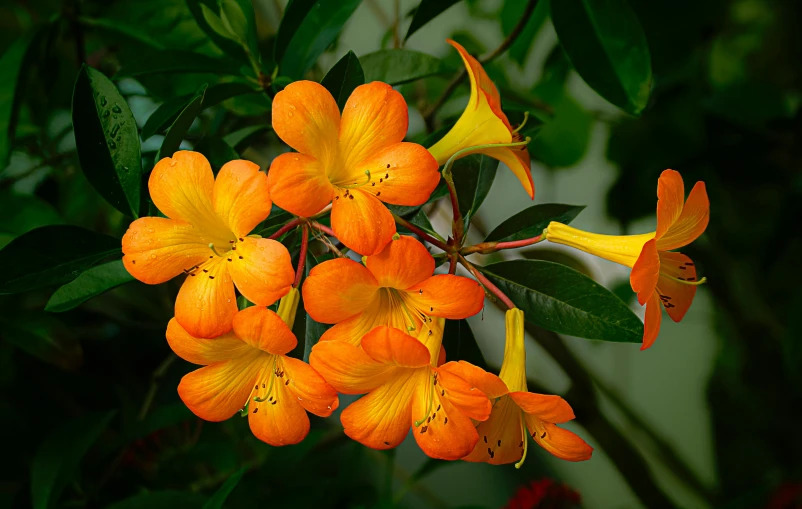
116 27
181 125
22 213
177 61
606 45
58 459
510 15
107 140
162 500
217 151
43 337
473 176
215 23
241 139
316 25
427 10
343 78
422 221
314 330
531 222
51 255
397 66
238 17
563 300
169 110
89 284
563 141
12 65
229 47
460 343
220 496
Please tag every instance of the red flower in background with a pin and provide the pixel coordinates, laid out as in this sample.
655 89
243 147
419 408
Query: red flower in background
542 494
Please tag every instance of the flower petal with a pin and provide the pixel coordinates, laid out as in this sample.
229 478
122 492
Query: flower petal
347 368
517 159
374 117
447 296
675 295
218 391
378 313
486 382
204 351
401 174
545 407
309 388
206 303
670 200
158 249
393 347
241 196
261 328
558 441
501 436
645 272
691 223
381 419
306 117
298 184
401 264
338 289
361 221
466 397
261 269
280 420
651 322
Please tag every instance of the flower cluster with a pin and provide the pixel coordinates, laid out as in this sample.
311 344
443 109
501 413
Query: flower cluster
388 308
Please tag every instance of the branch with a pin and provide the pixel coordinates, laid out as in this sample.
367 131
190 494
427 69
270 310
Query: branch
302 256
490 287
492 247
287 227
420 233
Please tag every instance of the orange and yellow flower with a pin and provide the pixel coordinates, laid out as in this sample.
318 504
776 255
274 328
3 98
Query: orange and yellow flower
204 236
248 368
405 388
355 162
515 410
484 123
395 288
659 276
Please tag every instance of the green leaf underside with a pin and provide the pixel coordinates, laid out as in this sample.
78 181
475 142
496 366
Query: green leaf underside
52 255
473 177
21 213
107 140
220 496
89 284
606 45
460 344
12 63
43 337
217 151
343 78
178 61
398 66
229 47
241 138
162 500
532 221
427 10
565 301
181 125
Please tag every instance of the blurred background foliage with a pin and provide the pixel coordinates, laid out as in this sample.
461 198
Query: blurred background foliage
89 412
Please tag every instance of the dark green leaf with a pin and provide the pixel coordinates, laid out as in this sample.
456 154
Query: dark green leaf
460 343
294 15
319 25
397 66
51 255
563 141
89 284
531 222
239 18
107 140
473 176
181 125
58 458
11 69
116 26
563 300
217 151
177 61
162 417
607 47
229 47
168 111
43 337
22 213
427 10
510 15
220 496
343 78
241 139
162 500
314 331
421 221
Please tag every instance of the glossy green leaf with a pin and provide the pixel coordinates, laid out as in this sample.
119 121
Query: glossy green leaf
606 45
239 18
216 24
294 15
240 139
461 345
51 255
343 78
230 47
563 141
318 28
427 10
43 337
107 140
177 61
12 65
57 460
22 213
530 222
473 176
89 284
162 500
181 125
563 300
422 221
220 496
397 66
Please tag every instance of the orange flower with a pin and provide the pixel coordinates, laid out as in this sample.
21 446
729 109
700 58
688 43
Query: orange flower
483 123
405 388
249 366
394 288
358 161
503 434
206 238
659 276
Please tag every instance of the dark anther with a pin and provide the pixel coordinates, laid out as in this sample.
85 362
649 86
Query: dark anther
420 291
521 444
438 408
681 267
381 180
204 270
431 309
351 196
386 443
373 183
379 193
133 261
255 387
270 398
681 278
691 279
240 239
211 257
499 443
689 264
193 275
430 332
428 420
443 392
388 165
230 241
434 415
233 248
485 438
287 382
263 386
543 435
229 259
337 197
424 429
211 277
273 403
446 421
387 176
240 257
255 410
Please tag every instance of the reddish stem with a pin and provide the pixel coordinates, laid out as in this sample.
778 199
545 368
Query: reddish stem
490 287
491 247
452 264
302 256
322 227
287 227
420 233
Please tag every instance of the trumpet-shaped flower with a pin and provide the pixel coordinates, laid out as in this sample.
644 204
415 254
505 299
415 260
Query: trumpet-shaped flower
503 434
394 288
248 368
405 388
355 162
659 276
483 123
205 238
